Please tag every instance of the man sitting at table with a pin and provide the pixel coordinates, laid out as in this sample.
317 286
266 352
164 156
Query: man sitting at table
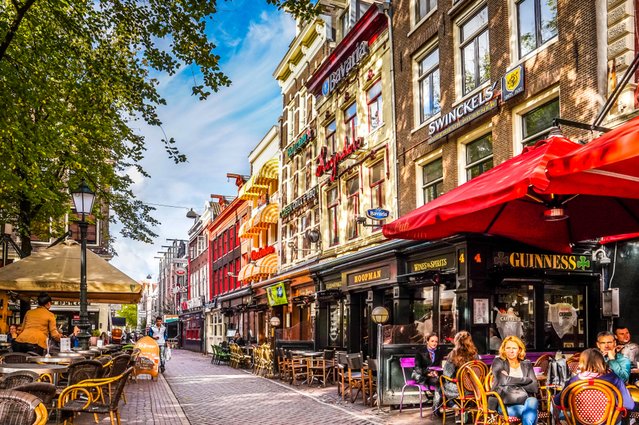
432 358
38 325
238 339
616 361
628 349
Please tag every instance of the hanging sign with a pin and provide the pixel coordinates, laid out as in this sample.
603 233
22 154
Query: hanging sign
512 83
180 271
377 214
300 143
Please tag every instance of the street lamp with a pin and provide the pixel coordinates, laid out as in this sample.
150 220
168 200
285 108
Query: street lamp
380 316
83 202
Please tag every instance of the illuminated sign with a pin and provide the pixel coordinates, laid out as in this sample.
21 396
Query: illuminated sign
325 165
368 276
377 214
345 67
262 252
527 260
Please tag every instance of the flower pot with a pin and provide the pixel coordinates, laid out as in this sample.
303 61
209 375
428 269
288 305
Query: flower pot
93 340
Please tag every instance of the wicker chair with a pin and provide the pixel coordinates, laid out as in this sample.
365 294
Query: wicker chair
592 401
14 357
87 397
483 413
44 391
19 408
14 379
119 365
465 387
81 370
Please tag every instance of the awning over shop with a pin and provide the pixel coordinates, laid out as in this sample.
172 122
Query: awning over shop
235 294
246 231
251 189
247 273
518 200
269 172
268 215
267 265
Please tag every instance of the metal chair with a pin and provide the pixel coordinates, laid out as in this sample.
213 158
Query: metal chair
408 364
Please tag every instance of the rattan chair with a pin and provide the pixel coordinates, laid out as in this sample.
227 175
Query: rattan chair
20 408
14 357
44 391
591 401
483 413
466 397
87 397
80 371
14 379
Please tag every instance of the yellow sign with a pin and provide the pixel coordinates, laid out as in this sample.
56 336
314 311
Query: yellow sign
276 294
513 79
369 276
435 263
527 260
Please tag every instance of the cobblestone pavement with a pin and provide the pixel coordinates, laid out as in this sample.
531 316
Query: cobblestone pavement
193 391
218 394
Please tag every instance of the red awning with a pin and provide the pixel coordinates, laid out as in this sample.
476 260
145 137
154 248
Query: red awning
510 201
609 164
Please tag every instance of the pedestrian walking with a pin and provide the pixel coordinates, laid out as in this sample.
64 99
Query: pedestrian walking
159 333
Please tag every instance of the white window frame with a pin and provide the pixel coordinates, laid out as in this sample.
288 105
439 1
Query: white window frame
513 18
419 180
413 12
520 110
431 47
459 77
462 141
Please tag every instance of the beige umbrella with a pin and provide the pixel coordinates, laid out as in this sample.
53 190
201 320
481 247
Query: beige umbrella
56 270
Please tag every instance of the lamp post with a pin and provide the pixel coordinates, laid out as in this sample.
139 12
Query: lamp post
380 316
83 202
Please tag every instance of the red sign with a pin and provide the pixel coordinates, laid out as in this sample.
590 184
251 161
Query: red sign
325 165
262 252
180 271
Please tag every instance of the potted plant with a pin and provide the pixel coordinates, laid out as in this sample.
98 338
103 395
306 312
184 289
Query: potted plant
95 334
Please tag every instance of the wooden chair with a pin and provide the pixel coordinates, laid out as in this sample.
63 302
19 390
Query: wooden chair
354 374
297 367
370 382
321 368
20 408
592 401
283 365
341 366
88 397
466 396
483 413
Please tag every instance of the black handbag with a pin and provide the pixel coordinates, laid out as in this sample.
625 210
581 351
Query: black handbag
513 394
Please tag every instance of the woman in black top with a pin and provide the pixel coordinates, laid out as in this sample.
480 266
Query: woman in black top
433 357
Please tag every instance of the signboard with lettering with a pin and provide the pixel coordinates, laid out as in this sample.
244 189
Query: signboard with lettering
300 143
528 260
180 271
368 276
344 68
512 83
333 285
276 294
309 197
377 214
439 262
329 165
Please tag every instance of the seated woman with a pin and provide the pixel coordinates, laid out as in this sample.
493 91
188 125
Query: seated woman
515 381
432 358
593 365
463 351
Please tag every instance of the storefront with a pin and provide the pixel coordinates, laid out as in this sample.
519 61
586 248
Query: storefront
233 306
193 330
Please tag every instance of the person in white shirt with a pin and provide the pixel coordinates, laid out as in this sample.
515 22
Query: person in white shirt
158 332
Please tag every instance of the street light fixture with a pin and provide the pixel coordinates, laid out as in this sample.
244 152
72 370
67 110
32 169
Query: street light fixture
380 316
83 199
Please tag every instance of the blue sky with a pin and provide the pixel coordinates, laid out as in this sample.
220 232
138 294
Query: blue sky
217 134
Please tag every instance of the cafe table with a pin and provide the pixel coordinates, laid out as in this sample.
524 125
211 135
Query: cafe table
53 359
40 369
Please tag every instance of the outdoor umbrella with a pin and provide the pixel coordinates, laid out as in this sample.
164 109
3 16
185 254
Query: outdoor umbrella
513 200
56 270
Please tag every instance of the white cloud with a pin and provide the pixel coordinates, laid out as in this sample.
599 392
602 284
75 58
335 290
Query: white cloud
216 135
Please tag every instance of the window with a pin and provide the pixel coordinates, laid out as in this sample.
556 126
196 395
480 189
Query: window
352 207
350 122
537 23
433 180
423 8
374 100
377 177
330 137
536 123
429 85
284 188
332 202
475 55
479 156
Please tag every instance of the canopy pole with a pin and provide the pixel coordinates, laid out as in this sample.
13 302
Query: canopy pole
617 91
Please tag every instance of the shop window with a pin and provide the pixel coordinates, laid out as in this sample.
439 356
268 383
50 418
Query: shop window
374 100
330 137
332 203
352 207
536 124
536 22
336 318
423 311
423 8
350 122
447 311
475 51
479 156
564 316
433 180
515 313
428 78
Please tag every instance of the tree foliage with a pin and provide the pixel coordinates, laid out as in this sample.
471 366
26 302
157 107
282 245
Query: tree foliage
74 77
130 313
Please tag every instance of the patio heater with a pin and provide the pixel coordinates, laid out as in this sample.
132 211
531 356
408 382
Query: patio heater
379 315
83 202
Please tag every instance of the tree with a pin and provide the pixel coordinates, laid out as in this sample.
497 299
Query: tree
130 313
74 76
